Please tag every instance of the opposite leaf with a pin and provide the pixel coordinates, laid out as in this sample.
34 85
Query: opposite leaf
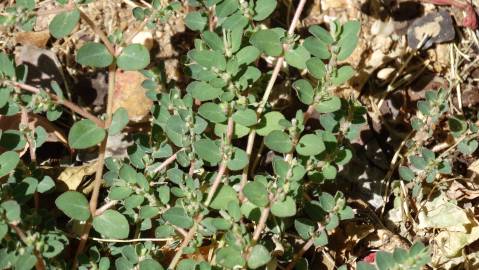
134 57
84 134
112 224
94 55
118 122
8 162
74 204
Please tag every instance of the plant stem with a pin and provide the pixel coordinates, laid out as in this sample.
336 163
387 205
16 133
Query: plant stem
99 32
70 105
217 181
101 162
167 162
300 254
105 207
267 93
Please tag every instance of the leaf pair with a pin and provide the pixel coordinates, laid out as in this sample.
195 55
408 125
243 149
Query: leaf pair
133 57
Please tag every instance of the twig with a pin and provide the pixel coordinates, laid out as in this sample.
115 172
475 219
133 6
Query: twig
264 100
300 254
222 170
105 207
99 32
130 240
167 162
136 31
70 105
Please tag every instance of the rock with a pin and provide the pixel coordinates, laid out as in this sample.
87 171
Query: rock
130 95
144 38
437 25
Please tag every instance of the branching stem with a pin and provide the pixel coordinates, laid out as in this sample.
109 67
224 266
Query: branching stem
267 93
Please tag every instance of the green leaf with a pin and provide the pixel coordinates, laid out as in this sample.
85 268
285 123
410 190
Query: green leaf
134 57
74 204
178 217
207 149
348 39
267 41
12 211
418 162
329 105
342 75
286 208
327 202
256 193
246 117
3 230
278 141
25 261
365 266
226 8
305 227
223 196
317 48
297 57
230 257
7 67
304 91
119 193
270 122
321 240
212 112
94 55
119 121
247 55
235 21
208 59
259 256
8 162
239 160
263 9
384 260
28 4
64 23
316 67
203 91
329 172
112 224
84 134
310 145
150 264
406 173
46 184
321 33
213 41
196 21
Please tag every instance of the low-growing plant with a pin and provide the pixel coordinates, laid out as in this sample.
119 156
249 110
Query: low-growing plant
192 183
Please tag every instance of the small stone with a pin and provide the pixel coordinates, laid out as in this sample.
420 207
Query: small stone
438 25
144 38
385 73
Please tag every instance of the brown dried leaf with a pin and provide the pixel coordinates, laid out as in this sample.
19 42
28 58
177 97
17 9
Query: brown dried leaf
37 39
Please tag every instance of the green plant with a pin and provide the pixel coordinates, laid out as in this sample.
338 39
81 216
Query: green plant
191 181
414 259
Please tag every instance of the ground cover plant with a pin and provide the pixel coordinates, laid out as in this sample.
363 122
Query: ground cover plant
218 172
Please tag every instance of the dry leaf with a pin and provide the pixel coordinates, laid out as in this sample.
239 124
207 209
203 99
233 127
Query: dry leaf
37 39
72 177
